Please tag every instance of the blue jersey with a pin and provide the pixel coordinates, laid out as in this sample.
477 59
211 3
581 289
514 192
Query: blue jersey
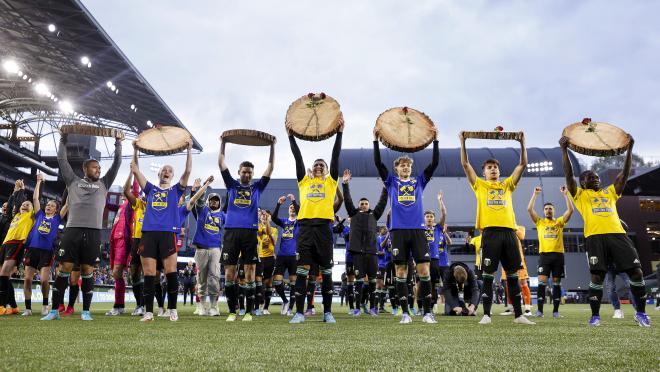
44 231
345 234
288 237
183 216
443 250
382 260
243 202
162 212
433 237
208 233
406 201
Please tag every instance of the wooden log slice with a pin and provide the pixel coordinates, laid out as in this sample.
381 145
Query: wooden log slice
405 129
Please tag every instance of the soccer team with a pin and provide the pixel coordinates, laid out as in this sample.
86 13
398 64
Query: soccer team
379 260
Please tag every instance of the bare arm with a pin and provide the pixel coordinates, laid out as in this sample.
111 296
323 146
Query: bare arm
465 162
65 209
128 193
339 199
569 206
622 178
271 161
520 168
442 208
135 169
445 232
183 181
199 193
568 167
37 190
530 206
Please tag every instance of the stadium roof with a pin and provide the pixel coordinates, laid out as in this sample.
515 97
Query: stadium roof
646 183
360 161
60 45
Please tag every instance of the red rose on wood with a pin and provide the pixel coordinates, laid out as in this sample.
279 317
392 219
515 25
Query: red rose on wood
586 121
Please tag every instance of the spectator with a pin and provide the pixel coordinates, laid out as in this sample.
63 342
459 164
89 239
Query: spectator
461 291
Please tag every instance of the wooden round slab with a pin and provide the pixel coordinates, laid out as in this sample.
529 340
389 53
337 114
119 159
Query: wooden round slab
163 140
405 129
314 117
596 139
493 135
247 137
91 130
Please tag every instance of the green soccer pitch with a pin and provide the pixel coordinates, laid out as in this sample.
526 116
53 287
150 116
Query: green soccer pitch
364 343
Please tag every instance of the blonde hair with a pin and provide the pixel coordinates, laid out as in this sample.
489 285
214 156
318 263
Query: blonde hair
403 159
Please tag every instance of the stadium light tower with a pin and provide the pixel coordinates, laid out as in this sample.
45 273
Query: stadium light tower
540 168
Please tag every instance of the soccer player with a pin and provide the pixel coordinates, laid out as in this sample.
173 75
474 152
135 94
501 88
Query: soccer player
138 205
81 241
461 291
384 256
343 228
12 249
496 220
363 244
120 253
208 247
438 240
241 227
315 240
267 237
407 229
551 248
40 243
606 240
523 278
159 228
286 255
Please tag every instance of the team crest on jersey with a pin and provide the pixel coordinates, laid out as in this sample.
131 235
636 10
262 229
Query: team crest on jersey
486 261
593 260
429 234
225 256
159 201
243 198
540 269
406 193
315 192
60 252
495 199
551 232
395 252
600 206
44 227
287 233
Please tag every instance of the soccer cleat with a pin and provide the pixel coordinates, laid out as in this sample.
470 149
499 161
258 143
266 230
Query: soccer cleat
539 314
247 318
231 317
60 308
265 312
556 315
138 311
405 319
27 312
310 312
163 313
289 312
523 320
213 312
148 317
69 311
594 321
85 315
527 313
174 316
355 312
485 320
413 312
241 312
297 319
642 319
507 311
285 308
52 315
115 312
258 312
429 318
618 314
328 318
44 310
373 312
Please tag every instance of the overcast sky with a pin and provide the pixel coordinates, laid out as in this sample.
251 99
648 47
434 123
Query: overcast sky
532 66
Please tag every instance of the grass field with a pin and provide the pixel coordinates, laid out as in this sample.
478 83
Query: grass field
270 343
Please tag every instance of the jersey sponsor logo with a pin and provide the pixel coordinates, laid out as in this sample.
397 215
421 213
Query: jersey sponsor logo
211 224
495 199
243 198
406 193
315 192
287 232
551 232
44 227
430 236
87 185
159 201
600 206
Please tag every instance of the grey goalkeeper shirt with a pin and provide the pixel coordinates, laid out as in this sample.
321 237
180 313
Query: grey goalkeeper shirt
87 198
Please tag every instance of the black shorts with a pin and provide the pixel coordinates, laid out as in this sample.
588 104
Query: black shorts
500 244
365 265
240 242
313 271
434 269
265 267
444 273
409 243
314 245
135 255
38 258
157 245
381 273
551 264
604 250
285 263
12 250
80 245
390 274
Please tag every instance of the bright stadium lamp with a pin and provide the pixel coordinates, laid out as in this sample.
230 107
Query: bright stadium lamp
66 107
85 61
42 89
132 107
11 66
52 28
109 84
540 168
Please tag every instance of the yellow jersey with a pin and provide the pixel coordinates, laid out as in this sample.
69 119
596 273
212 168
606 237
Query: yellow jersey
317 196
19 227
139 209
551 235
266 246
494 203
598 210
476 242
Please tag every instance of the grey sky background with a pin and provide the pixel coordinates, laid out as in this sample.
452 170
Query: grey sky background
532 66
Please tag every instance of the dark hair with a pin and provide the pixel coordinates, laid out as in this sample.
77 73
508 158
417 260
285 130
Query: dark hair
583 176
364 199
56 203
490 161
326 164
548 203
429 212
246 164
90 160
